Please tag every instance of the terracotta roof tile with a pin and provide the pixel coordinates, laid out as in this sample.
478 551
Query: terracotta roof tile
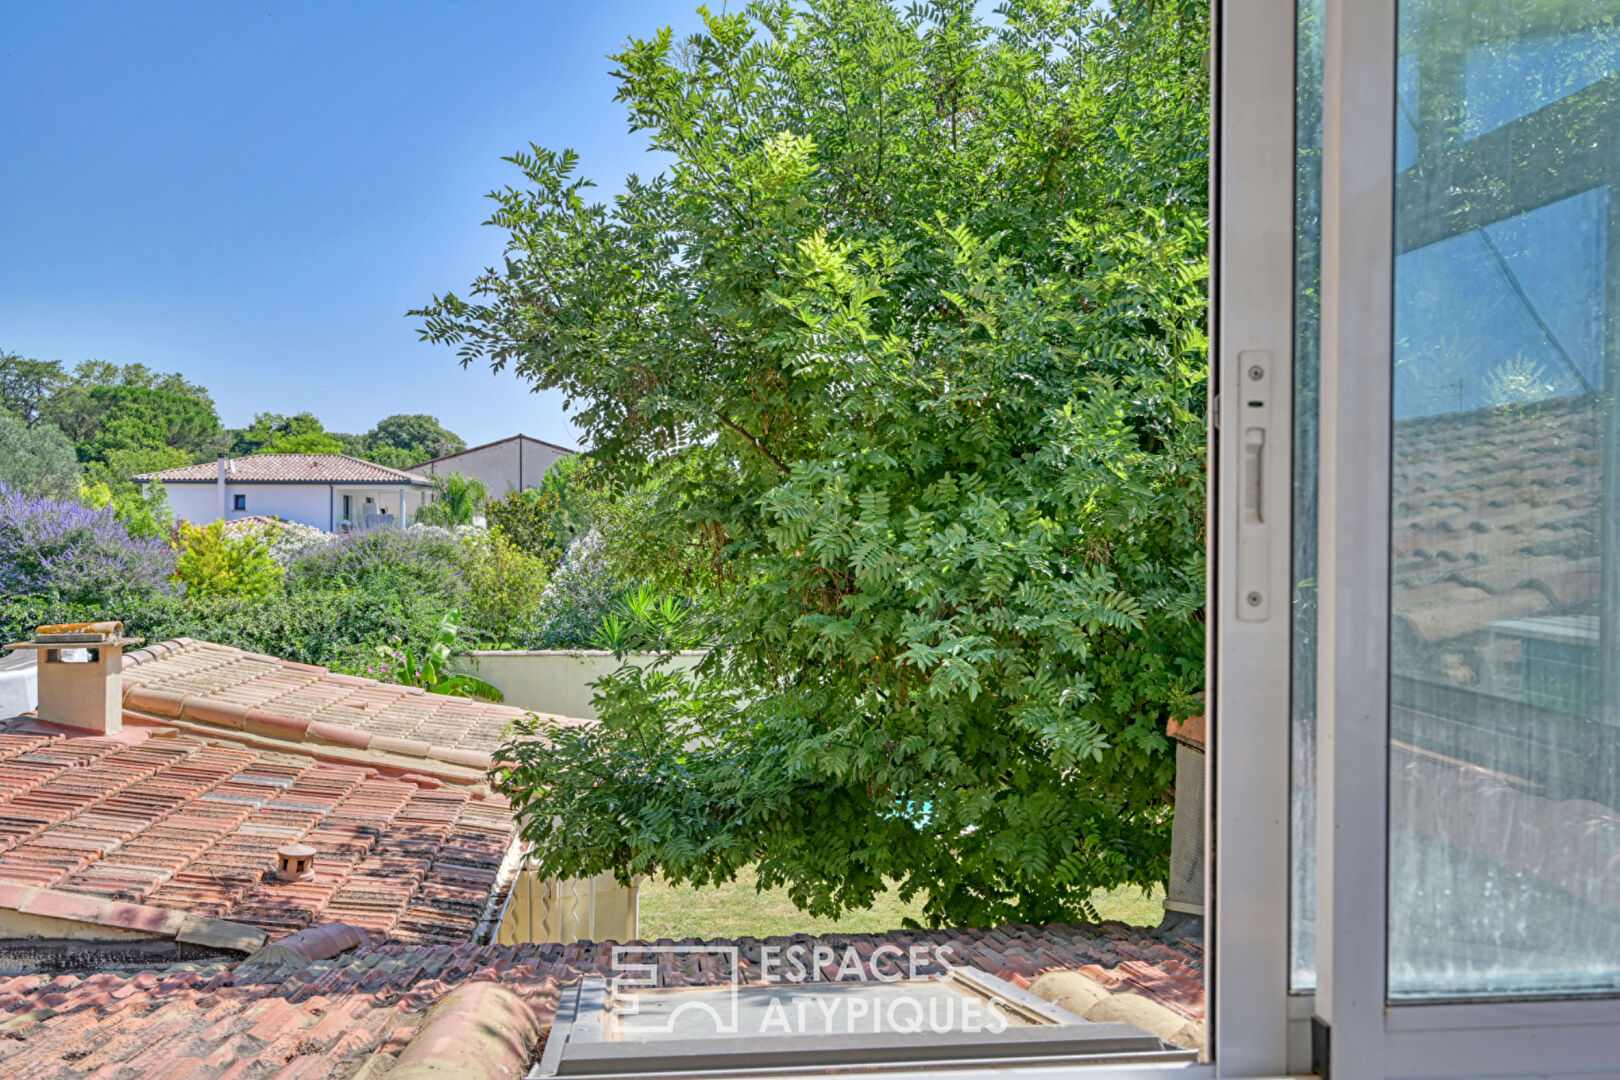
179 823
1495 518
323 1019
289 468
226 687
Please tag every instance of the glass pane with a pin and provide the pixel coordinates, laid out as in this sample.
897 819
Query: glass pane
1505 577
1307 307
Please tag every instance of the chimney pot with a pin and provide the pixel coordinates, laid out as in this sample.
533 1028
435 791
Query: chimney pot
295 862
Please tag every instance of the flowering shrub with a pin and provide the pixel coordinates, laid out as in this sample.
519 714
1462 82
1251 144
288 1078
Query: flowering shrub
385 561
581 593
287 541
66 552
214 564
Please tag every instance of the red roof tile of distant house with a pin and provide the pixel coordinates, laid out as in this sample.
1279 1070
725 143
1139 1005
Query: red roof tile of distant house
221 686
168 821
288 469
1494 519
326 1019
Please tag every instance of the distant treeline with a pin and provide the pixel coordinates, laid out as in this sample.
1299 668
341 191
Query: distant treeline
103 423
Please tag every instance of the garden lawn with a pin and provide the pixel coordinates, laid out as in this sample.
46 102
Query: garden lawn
737 910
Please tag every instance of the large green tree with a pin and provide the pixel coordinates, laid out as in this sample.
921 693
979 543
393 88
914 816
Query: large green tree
80 404
26 385
128 417
415 435
37 460
909 340
273 433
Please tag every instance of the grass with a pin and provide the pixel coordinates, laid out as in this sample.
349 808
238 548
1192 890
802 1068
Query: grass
737 910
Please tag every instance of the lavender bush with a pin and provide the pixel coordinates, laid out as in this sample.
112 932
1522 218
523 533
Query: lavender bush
64 552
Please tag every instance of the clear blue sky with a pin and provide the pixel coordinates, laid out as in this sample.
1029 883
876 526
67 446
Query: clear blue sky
255 194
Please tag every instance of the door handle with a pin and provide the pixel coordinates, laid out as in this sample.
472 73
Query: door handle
1253 537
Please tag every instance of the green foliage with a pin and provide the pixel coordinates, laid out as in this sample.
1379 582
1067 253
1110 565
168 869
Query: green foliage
387 562
392 456
99 393
326 626
211 563
644 621
503 583
109 482
420 436
118 467
428 667
528 519
26 385
272 433
37 460
456 500
403 440
94 373
146 515
921 412
139 418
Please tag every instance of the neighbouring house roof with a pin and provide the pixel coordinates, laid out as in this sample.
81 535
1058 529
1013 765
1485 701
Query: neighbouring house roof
220 686
363 1009
497 442
288 469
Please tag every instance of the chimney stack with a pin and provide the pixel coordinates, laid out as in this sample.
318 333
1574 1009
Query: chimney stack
224 466
80 674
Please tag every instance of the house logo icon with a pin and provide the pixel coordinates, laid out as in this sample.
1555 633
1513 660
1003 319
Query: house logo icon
642 1012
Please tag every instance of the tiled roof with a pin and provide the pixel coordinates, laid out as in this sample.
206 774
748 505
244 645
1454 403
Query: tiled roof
332 1018
288 469
1495 517
226 687
168 820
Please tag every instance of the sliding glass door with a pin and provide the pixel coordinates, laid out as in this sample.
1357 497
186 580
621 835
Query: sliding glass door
1456 898
1505 755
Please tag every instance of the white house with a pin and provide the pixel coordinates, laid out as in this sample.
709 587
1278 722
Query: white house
327 491
511 464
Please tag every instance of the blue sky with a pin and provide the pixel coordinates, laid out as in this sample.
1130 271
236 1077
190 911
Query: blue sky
255 194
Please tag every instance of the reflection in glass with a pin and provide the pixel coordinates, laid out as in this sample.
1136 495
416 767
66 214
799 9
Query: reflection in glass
1307 307
1505 577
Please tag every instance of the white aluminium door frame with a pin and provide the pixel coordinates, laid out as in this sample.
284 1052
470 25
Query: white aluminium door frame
1358 170
1367 1037
1249 592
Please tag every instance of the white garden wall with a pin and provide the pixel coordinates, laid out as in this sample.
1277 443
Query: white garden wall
555 683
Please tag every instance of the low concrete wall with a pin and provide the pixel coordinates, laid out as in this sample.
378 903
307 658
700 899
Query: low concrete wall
556 683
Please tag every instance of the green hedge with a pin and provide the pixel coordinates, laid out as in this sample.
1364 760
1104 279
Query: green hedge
317 627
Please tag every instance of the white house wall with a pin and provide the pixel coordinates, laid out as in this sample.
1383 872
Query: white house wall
196 503
307 504
499 466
